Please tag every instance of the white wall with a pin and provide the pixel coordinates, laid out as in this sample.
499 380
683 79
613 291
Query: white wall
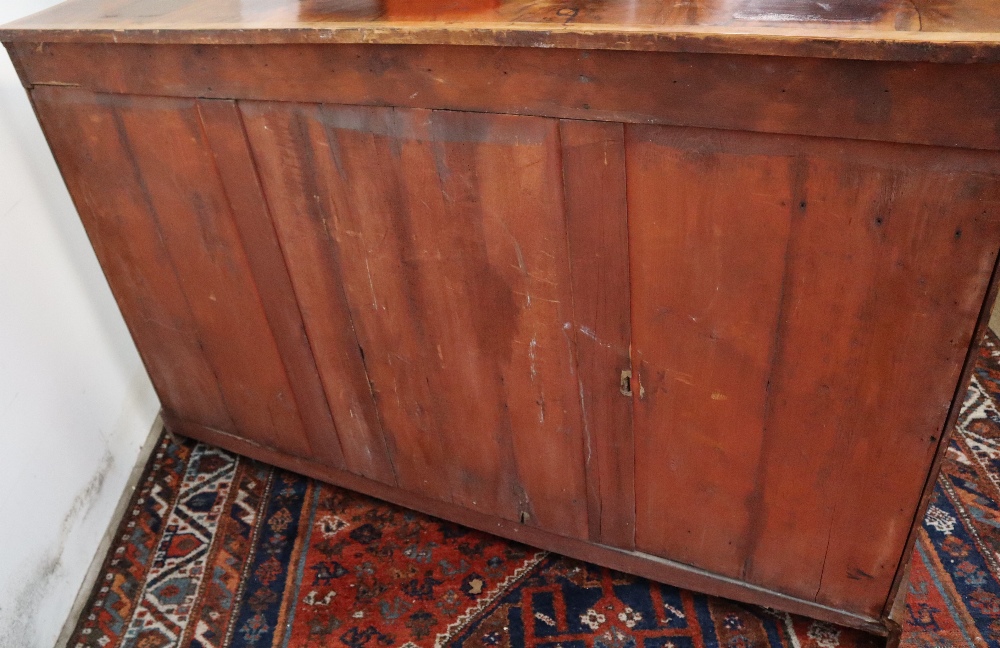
75 403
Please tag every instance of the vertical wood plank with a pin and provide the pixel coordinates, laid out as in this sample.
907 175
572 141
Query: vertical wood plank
186 201
868 365
518 168
223 132
896 602
594 178
876 271
708 236
459 290
102 178
290 173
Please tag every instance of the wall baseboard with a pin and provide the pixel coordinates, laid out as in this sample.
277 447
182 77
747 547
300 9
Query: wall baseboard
94 571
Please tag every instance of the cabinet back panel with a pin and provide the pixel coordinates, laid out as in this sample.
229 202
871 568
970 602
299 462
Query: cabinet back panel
708 239
448 232
318 290
154 205
455 286
224 133
93 155
801 311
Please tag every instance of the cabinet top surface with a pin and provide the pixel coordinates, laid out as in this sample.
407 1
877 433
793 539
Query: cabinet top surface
908 30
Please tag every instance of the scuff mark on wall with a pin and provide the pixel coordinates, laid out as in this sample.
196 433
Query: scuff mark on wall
16 623
53 568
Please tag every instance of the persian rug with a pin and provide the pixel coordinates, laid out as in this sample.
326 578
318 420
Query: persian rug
219 551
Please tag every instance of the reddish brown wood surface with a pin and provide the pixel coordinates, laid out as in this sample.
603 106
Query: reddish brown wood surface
177 223
709 232
223 132
896 602
844 347
594 177
294 191
451 242
361 438
916 231
953 30
97 164
897 102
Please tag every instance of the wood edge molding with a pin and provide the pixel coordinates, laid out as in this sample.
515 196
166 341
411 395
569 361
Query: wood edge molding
644 565
898 590
675 89
15 59
941 47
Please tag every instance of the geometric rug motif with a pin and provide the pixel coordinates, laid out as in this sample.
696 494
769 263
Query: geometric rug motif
219 551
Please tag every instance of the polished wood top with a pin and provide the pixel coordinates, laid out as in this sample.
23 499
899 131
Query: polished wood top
916 30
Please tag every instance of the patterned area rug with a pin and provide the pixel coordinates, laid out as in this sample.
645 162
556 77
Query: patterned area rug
219 551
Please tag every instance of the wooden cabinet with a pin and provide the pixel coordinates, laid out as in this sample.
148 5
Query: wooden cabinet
440 238
679 297
795 302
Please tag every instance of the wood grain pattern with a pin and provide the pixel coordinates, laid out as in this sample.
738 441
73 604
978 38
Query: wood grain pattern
223 131
897 102
593 157
897 593
95 161
933 221
458 289
293 191
709 232
842 398
191 210
185 228
954 30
